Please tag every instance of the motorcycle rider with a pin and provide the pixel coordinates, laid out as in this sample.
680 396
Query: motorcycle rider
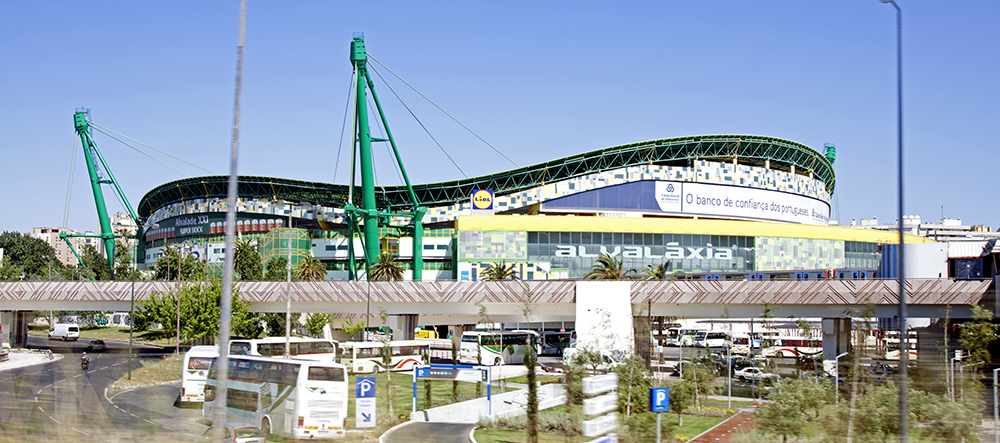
84 359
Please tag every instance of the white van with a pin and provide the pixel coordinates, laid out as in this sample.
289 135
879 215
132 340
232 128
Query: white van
64 332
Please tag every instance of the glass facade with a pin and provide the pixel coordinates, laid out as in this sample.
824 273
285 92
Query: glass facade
576 252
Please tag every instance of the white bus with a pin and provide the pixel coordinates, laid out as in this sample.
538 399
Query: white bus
712 339
681 336
291 398
197 362
366 357
497 348
554 343
792 346
316 349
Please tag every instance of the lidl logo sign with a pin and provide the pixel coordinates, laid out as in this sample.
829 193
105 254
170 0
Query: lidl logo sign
482 200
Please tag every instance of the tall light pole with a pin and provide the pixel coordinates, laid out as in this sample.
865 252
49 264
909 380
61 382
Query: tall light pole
288 284
996 412
904 356
836 378
179 249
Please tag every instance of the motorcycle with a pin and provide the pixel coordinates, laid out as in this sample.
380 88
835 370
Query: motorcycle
84 363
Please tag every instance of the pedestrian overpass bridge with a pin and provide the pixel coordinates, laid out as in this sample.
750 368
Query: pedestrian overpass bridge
549 299
465 303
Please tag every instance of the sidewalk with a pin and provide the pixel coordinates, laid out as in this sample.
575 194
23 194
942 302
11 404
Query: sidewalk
19 358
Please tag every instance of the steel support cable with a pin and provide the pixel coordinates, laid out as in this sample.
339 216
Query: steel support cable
69 185
343 127
442 110
147 154
420 122
103 129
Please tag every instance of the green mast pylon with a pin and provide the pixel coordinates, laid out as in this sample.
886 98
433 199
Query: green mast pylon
369 212
93 155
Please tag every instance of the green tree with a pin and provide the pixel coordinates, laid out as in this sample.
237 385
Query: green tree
315 322
26 252
658 272
353 329
499 271
633 386
682 396
123 263
274 323
454 361
609 268
200 310
277 269
96 263
978 334
780 418
191 268
386 268
531 363
9 271
247 261
310 269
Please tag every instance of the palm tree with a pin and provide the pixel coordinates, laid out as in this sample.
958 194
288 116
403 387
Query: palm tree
658 272
500 271
609 268
386 269
310 269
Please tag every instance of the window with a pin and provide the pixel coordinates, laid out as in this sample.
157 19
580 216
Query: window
326 374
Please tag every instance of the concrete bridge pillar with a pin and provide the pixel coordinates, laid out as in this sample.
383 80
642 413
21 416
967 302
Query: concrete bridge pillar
836 337
407 322
14 328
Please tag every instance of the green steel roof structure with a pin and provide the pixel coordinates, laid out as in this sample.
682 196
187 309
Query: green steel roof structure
746 149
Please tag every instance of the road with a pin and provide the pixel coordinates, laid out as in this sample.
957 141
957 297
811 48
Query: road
59 401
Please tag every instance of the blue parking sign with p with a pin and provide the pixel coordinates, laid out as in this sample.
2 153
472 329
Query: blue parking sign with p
659 399
365 387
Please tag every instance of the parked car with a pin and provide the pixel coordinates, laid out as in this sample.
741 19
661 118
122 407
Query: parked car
609 360
235 432
97 346
755 375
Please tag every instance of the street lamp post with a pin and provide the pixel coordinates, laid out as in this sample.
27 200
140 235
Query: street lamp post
288 284
904 346
179 249
836 378
996 411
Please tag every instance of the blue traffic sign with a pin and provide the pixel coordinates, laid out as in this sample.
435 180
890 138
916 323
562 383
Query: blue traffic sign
365 387
659 399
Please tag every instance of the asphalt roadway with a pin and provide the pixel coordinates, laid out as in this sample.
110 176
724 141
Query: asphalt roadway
55 400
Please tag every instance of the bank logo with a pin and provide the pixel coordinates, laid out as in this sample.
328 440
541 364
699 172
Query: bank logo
670 188
482 200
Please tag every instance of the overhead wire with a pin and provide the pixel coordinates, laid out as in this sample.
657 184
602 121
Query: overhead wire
69 185
105 131
343 127
419 122
147 154
442 110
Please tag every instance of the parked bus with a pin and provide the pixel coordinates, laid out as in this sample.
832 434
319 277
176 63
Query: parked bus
497 348
712 339
293 398
317 349
792 346
741 344
554 343
366 357
681 336
194 372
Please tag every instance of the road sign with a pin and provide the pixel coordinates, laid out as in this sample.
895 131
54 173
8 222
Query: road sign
659 399
601 404
610 438
600 384
364 402
600 425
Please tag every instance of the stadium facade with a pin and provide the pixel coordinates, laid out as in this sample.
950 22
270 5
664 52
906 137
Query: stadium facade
735 204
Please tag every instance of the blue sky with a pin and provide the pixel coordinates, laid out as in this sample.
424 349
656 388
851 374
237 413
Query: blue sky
537 80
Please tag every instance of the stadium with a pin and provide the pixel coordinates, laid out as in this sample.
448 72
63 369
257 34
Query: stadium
737 205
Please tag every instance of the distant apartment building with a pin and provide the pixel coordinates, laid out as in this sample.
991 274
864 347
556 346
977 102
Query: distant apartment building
945 229
121 223
63 253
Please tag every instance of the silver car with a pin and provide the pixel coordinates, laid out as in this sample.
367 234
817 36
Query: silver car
235 432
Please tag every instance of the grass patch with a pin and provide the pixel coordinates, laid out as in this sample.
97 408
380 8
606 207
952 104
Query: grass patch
152 371
512 436
402 395
541 379
155 337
